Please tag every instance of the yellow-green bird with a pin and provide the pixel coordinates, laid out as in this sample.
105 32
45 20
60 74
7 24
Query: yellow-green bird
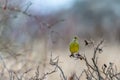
74 46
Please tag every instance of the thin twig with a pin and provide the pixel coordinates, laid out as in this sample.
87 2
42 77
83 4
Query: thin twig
55 63
28 5
94 60
48 73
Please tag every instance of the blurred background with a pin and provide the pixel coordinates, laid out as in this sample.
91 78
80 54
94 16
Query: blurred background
30 30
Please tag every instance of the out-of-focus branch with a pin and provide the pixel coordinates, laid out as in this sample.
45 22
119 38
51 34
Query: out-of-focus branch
56 22
27 6
5 5
4 66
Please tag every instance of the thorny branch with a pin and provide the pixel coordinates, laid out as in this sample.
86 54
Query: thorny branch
94 58
93 67
48 73
37 74
55 63
94 71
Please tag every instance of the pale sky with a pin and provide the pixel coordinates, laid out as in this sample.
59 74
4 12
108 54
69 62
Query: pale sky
45 7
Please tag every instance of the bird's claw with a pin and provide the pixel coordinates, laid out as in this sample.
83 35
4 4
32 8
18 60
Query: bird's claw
71 55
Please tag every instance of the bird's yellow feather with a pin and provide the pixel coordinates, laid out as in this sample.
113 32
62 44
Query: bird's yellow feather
74 46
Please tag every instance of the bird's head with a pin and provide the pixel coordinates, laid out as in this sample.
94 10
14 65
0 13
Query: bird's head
75 37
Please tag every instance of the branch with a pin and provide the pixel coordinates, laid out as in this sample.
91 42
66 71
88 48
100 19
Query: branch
94 59
55 63
97 48
37 73
28 5
93 67
48 73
